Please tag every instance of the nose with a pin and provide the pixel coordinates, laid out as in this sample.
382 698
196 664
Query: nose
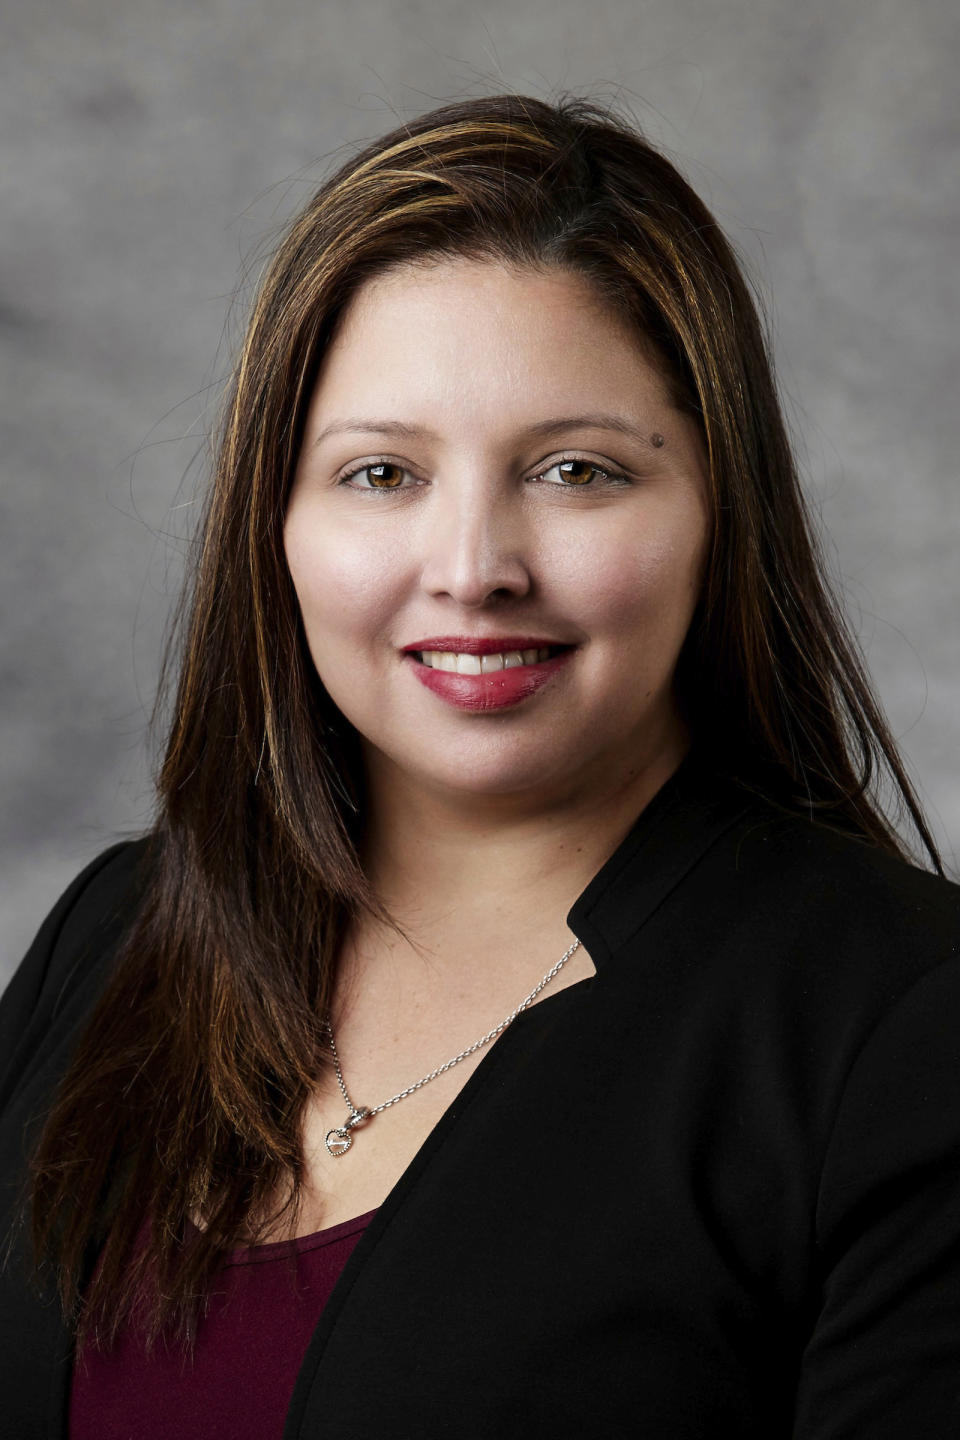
476 548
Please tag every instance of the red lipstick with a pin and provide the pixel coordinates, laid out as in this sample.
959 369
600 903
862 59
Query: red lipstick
493 690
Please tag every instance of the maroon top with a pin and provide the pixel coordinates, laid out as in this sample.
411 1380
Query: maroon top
249 1348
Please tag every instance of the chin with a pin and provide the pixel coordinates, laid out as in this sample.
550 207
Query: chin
497 777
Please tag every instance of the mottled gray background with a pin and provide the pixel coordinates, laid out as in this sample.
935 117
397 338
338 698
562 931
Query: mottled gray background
150 150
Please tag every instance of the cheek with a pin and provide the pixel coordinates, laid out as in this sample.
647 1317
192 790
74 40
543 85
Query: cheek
342 583
647 584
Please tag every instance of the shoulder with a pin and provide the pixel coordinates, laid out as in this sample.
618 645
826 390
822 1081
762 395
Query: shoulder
98 901
75 942
830 934
802 872
767 912
712 860
103 893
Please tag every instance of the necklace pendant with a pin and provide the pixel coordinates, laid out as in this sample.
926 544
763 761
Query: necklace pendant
340 1138
338 1141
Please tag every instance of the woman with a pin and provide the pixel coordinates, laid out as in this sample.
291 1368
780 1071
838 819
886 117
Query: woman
522 1018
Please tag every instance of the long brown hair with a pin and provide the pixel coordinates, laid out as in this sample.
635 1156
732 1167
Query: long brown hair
210 1028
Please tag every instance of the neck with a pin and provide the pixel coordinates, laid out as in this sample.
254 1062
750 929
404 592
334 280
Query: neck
494 858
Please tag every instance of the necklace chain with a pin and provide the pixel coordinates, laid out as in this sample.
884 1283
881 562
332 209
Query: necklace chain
340 1138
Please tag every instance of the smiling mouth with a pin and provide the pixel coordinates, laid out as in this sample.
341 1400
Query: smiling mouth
462 663
480 678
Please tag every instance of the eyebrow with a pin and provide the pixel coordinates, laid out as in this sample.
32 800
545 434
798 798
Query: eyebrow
593 421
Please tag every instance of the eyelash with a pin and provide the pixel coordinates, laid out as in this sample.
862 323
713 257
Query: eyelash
612 477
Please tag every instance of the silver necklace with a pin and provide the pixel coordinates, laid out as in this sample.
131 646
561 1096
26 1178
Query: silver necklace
340 1138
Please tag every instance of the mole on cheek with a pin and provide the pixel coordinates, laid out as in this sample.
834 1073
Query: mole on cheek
656 440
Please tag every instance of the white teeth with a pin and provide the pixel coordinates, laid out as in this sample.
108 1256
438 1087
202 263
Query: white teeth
462 664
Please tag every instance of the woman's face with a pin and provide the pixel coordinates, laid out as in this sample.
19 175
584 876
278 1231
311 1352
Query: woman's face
493 478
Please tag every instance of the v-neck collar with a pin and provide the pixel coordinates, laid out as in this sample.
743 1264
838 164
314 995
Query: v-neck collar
686 816
675 829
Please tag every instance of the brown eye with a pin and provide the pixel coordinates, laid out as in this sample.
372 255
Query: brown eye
384 477
577 472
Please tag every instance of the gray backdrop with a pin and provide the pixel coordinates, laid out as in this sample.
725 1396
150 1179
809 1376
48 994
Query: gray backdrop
149 152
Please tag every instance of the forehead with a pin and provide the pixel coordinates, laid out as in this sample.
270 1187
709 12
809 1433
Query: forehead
479 336
444 281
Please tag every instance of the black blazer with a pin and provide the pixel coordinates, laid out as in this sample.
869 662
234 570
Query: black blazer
714 1189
